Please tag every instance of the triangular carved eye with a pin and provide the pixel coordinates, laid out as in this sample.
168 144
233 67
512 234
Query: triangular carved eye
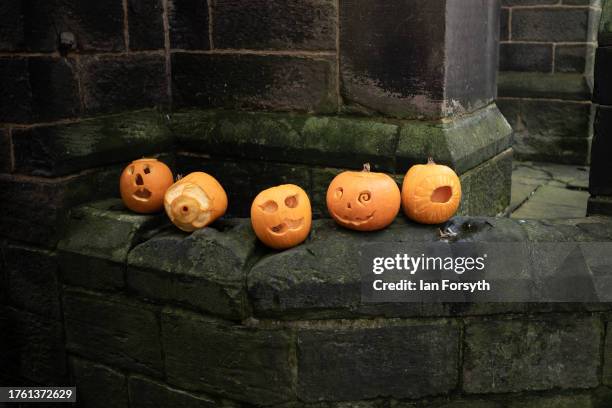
147 169
269 206
291 201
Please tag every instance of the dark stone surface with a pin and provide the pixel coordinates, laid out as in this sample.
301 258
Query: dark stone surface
145 393
32 347
62 149
526 355
603 79
607 355
98 386
32 278
145 24
204 270
245 178
12 35
276 24
601 205
243 363
38 89
6 154
363 363
380 42
527 2
526 57
188 20
96 242
115 84
573 87
114 331
552 25
273 83
33 209
288 138
504 29
605 27
600 182
97 26
572 58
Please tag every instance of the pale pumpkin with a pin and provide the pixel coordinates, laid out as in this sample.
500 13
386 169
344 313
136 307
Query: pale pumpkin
281 216
431 193
363 200
143 184
195 201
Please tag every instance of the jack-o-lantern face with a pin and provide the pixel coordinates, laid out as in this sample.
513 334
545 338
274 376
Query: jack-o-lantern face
431 193
363 201
143 184
281 216
195 201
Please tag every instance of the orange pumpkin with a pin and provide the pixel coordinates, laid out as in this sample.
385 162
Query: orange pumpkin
143 184
281 216
195 201
363 201
431 193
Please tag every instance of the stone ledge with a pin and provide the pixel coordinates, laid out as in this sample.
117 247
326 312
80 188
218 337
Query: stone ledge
543 85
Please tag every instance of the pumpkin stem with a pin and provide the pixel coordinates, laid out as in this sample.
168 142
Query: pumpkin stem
431 161
366 167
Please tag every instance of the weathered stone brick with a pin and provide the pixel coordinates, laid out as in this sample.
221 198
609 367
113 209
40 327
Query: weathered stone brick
504 28
97 26
607 363
566 86
12 35
276 24
145 393
526 57
526 355
62 149
288 138
599 205
114 331
603 79
6 151
33 209
380 42
95 245
145 24
571 401
246 364
38 88
527 2
364 363
98 386
274 83
168 268
32 347
600 182
33 283
605 27
553 24
188 20
244 179
572 58
116 84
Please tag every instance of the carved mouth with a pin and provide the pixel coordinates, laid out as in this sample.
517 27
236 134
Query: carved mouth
355 220
287 225
142 194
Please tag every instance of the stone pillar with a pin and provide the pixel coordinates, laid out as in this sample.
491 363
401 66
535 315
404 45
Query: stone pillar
406 80
600 184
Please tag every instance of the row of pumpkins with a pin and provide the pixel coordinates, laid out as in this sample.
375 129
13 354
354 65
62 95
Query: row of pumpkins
281 216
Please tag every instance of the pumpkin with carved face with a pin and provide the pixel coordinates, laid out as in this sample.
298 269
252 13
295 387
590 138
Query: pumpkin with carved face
363 201
281 216
143 184
195 201
431 193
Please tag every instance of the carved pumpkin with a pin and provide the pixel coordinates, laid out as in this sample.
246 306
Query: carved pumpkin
195 201
431 193
363 201
143 184
281 216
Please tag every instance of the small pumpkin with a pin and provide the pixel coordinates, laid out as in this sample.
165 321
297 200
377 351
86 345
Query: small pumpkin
363 201
431 193
143 184
195 201
281 216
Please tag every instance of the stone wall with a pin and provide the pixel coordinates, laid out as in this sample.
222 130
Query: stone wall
136 313
545 83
